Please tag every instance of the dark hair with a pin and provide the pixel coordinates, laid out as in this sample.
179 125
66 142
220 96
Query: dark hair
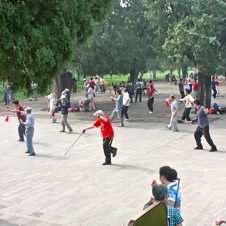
15 102
169 173
197 101
187 91
119 91
125 90
172 96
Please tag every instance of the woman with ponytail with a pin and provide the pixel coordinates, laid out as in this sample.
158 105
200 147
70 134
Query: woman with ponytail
168 177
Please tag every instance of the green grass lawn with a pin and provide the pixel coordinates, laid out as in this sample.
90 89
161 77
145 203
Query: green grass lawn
115 79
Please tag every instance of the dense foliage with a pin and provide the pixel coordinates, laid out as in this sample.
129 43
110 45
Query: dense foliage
38 37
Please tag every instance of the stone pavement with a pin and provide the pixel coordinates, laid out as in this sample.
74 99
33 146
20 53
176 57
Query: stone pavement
52 189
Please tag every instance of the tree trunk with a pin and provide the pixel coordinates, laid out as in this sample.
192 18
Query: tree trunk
133 74
184 71
154 73
204 92
61 82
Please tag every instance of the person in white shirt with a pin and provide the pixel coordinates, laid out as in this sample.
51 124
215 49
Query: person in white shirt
126 103
52 105
90 93
34 91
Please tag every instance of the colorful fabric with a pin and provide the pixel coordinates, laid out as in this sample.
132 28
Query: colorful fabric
174 216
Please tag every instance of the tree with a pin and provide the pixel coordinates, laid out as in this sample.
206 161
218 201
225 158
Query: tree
38 37
193 30
121 44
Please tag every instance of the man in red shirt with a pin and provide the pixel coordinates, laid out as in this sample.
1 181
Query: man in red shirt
21 127
107 133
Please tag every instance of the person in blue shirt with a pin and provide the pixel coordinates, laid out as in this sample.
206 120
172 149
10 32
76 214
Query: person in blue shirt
64 113
213 86
203 126
118 107
29 131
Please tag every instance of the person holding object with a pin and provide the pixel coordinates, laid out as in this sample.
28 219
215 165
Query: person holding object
174 112
29 125
21 127
203 126
107 133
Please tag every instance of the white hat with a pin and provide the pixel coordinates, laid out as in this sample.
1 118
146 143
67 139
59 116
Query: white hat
84 79
99 112
66 89
62 97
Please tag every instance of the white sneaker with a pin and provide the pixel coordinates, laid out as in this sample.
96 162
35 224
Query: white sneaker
150 112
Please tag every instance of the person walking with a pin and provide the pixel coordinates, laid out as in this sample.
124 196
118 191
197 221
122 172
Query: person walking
126 103
64 113
203 126
21 127
139 88
151 93
118 107
107 132
29 125
174 111
188 106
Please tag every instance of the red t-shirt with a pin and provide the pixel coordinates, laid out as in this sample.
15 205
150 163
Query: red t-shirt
105 127
195 86
151 91
19 116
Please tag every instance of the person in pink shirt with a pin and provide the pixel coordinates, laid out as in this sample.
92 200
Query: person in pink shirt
151 93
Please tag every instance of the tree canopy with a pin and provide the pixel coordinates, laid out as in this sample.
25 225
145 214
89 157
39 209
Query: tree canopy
123 41
38 37
194 30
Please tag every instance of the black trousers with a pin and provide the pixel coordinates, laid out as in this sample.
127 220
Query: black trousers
138 92
124 111
21 131
130 96
182 94
205 132
186 114
108 149
214 92
150 104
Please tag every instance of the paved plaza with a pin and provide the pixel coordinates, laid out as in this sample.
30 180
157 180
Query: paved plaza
54 189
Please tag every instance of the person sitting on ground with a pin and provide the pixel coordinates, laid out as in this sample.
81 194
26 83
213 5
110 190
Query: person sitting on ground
160 193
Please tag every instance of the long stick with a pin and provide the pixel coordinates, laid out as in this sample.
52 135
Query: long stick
73 144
